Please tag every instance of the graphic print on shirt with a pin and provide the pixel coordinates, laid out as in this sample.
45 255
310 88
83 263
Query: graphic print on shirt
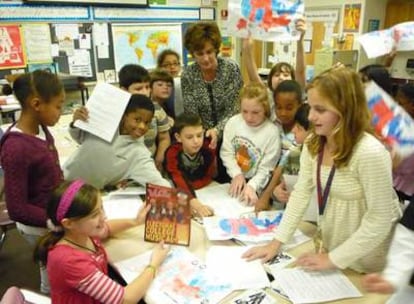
248 156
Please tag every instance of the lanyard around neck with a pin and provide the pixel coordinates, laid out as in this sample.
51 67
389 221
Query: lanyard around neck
323 198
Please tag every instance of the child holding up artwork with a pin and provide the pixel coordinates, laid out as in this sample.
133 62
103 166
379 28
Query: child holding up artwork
358 207
107 164
190 162
76 261
251 145
29 157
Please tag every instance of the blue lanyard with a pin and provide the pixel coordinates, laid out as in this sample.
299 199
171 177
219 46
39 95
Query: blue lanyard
323 198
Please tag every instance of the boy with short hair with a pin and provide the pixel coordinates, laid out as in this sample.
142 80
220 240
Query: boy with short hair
190 162
135 79
108 164
158 139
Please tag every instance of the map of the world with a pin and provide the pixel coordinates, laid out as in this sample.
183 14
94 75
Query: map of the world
141 44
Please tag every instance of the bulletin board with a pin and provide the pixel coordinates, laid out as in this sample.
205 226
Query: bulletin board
317 21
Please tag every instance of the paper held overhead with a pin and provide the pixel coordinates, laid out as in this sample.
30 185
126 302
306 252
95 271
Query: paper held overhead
379 43
270 21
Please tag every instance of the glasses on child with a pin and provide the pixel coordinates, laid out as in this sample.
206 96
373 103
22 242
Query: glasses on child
170 65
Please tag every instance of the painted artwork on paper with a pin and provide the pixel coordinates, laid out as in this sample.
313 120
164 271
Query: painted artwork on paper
269 20
183 279
390 121
251 228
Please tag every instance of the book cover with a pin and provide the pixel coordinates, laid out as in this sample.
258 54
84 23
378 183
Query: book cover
280 261
169 218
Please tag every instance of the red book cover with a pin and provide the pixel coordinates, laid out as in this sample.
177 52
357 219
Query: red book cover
169 218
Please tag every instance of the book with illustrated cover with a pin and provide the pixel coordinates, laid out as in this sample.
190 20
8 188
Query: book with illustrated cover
169 218
279 262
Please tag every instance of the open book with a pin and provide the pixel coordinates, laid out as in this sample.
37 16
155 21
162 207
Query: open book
169 218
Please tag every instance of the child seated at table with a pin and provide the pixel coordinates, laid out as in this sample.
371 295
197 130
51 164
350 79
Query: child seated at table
158 139
76 261
251 144
190 162
103 163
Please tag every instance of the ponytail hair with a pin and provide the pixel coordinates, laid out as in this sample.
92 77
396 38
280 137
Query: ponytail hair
83 203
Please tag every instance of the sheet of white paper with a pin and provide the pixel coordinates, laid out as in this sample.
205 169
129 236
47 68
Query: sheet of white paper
279 262
227 261
405 295
34 297
85 41
128 192
314 287
217 197
290 181
122 207
106 106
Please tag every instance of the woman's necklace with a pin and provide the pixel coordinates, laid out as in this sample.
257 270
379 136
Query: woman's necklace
80 246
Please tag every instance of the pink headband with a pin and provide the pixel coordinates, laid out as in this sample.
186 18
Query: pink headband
67 198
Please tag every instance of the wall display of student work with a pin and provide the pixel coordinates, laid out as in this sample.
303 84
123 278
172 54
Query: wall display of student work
61 48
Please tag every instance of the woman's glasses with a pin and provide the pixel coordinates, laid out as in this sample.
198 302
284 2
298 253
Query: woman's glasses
170 65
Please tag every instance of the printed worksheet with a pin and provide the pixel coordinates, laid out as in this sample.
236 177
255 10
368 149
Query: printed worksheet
106 106
316 286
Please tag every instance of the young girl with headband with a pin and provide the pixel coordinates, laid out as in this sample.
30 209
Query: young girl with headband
76 261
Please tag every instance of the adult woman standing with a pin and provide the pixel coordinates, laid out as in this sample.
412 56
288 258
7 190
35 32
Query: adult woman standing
211 85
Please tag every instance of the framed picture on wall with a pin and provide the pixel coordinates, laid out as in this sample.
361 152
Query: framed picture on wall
140 3
352 17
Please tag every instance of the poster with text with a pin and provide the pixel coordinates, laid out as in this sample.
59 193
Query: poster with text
11 47
265 20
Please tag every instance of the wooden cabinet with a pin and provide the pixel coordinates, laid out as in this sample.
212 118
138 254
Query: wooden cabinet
399 11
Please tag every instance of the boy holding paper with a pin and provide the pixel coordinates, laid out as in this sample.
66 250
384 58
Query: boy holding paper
103 163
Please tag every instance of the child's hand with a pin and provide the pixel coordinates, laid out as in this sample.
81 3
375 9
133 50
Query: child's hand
262 204
200 209
374 282
159 254
315 261
142 214
81 113
249 195
213 135
280 193
237 185
300 26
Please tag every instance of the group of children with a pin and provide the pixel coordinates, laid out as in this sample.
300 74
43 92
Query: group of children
340 157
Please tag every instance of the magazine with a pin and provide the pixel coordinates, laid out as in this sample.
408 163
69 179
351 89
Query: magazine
169 218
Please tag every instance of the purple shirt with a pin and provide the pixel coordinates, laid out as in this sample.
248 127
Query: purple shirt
31 171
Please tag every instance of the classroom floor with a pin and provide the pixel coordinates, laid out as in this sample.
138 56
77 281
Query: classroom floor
16 265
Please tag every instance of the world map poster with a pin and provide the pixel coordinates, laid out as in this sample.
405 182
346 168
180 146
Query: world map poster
141 43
